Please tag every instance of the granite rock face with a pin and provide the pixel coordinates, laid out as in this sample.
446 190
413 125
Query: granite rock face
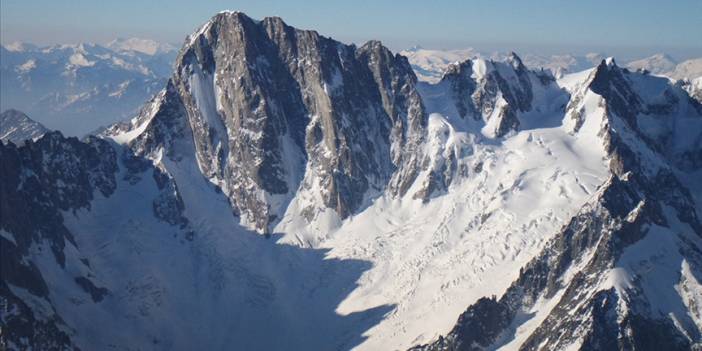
273 111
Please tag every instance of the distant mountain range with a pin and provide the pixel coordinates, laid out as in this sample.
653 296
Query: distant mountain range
431 64
79 88
144 46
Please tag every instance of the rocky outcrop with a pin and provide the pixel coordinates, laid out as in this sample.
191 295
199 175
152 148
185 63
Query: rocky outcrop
494 93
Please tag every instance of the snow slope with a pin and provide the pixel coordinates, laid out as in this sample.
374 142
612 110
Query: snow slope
622 273
432 259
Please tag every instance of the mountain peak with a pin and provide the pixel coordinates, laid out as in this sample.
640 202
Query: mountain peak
660 63
374 45
601 73
224 22
230 12
275 98
515 61
17 127
606 79
235 15
275 20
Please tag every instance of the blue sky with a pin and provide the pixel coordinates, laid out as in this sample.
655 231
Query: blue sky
621 27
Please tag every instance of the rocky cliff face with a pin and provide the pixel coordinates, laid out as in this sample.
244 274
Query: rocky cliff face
275 111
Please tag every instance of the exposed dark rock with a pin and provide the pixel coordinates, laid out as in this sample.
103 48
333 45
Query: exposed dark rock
288 102
96 293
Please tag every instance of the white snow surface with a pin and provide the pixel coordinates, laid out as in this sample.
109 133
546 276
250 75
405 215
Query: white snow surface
667 281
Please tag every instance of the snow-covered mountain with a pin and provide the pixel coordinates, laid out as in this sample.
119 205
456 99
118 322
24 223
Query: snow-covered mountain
690 69
561 65
656 64
19 46
17 127
662 64
430 65
144 46
694 88
623 271
78 88
533 210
